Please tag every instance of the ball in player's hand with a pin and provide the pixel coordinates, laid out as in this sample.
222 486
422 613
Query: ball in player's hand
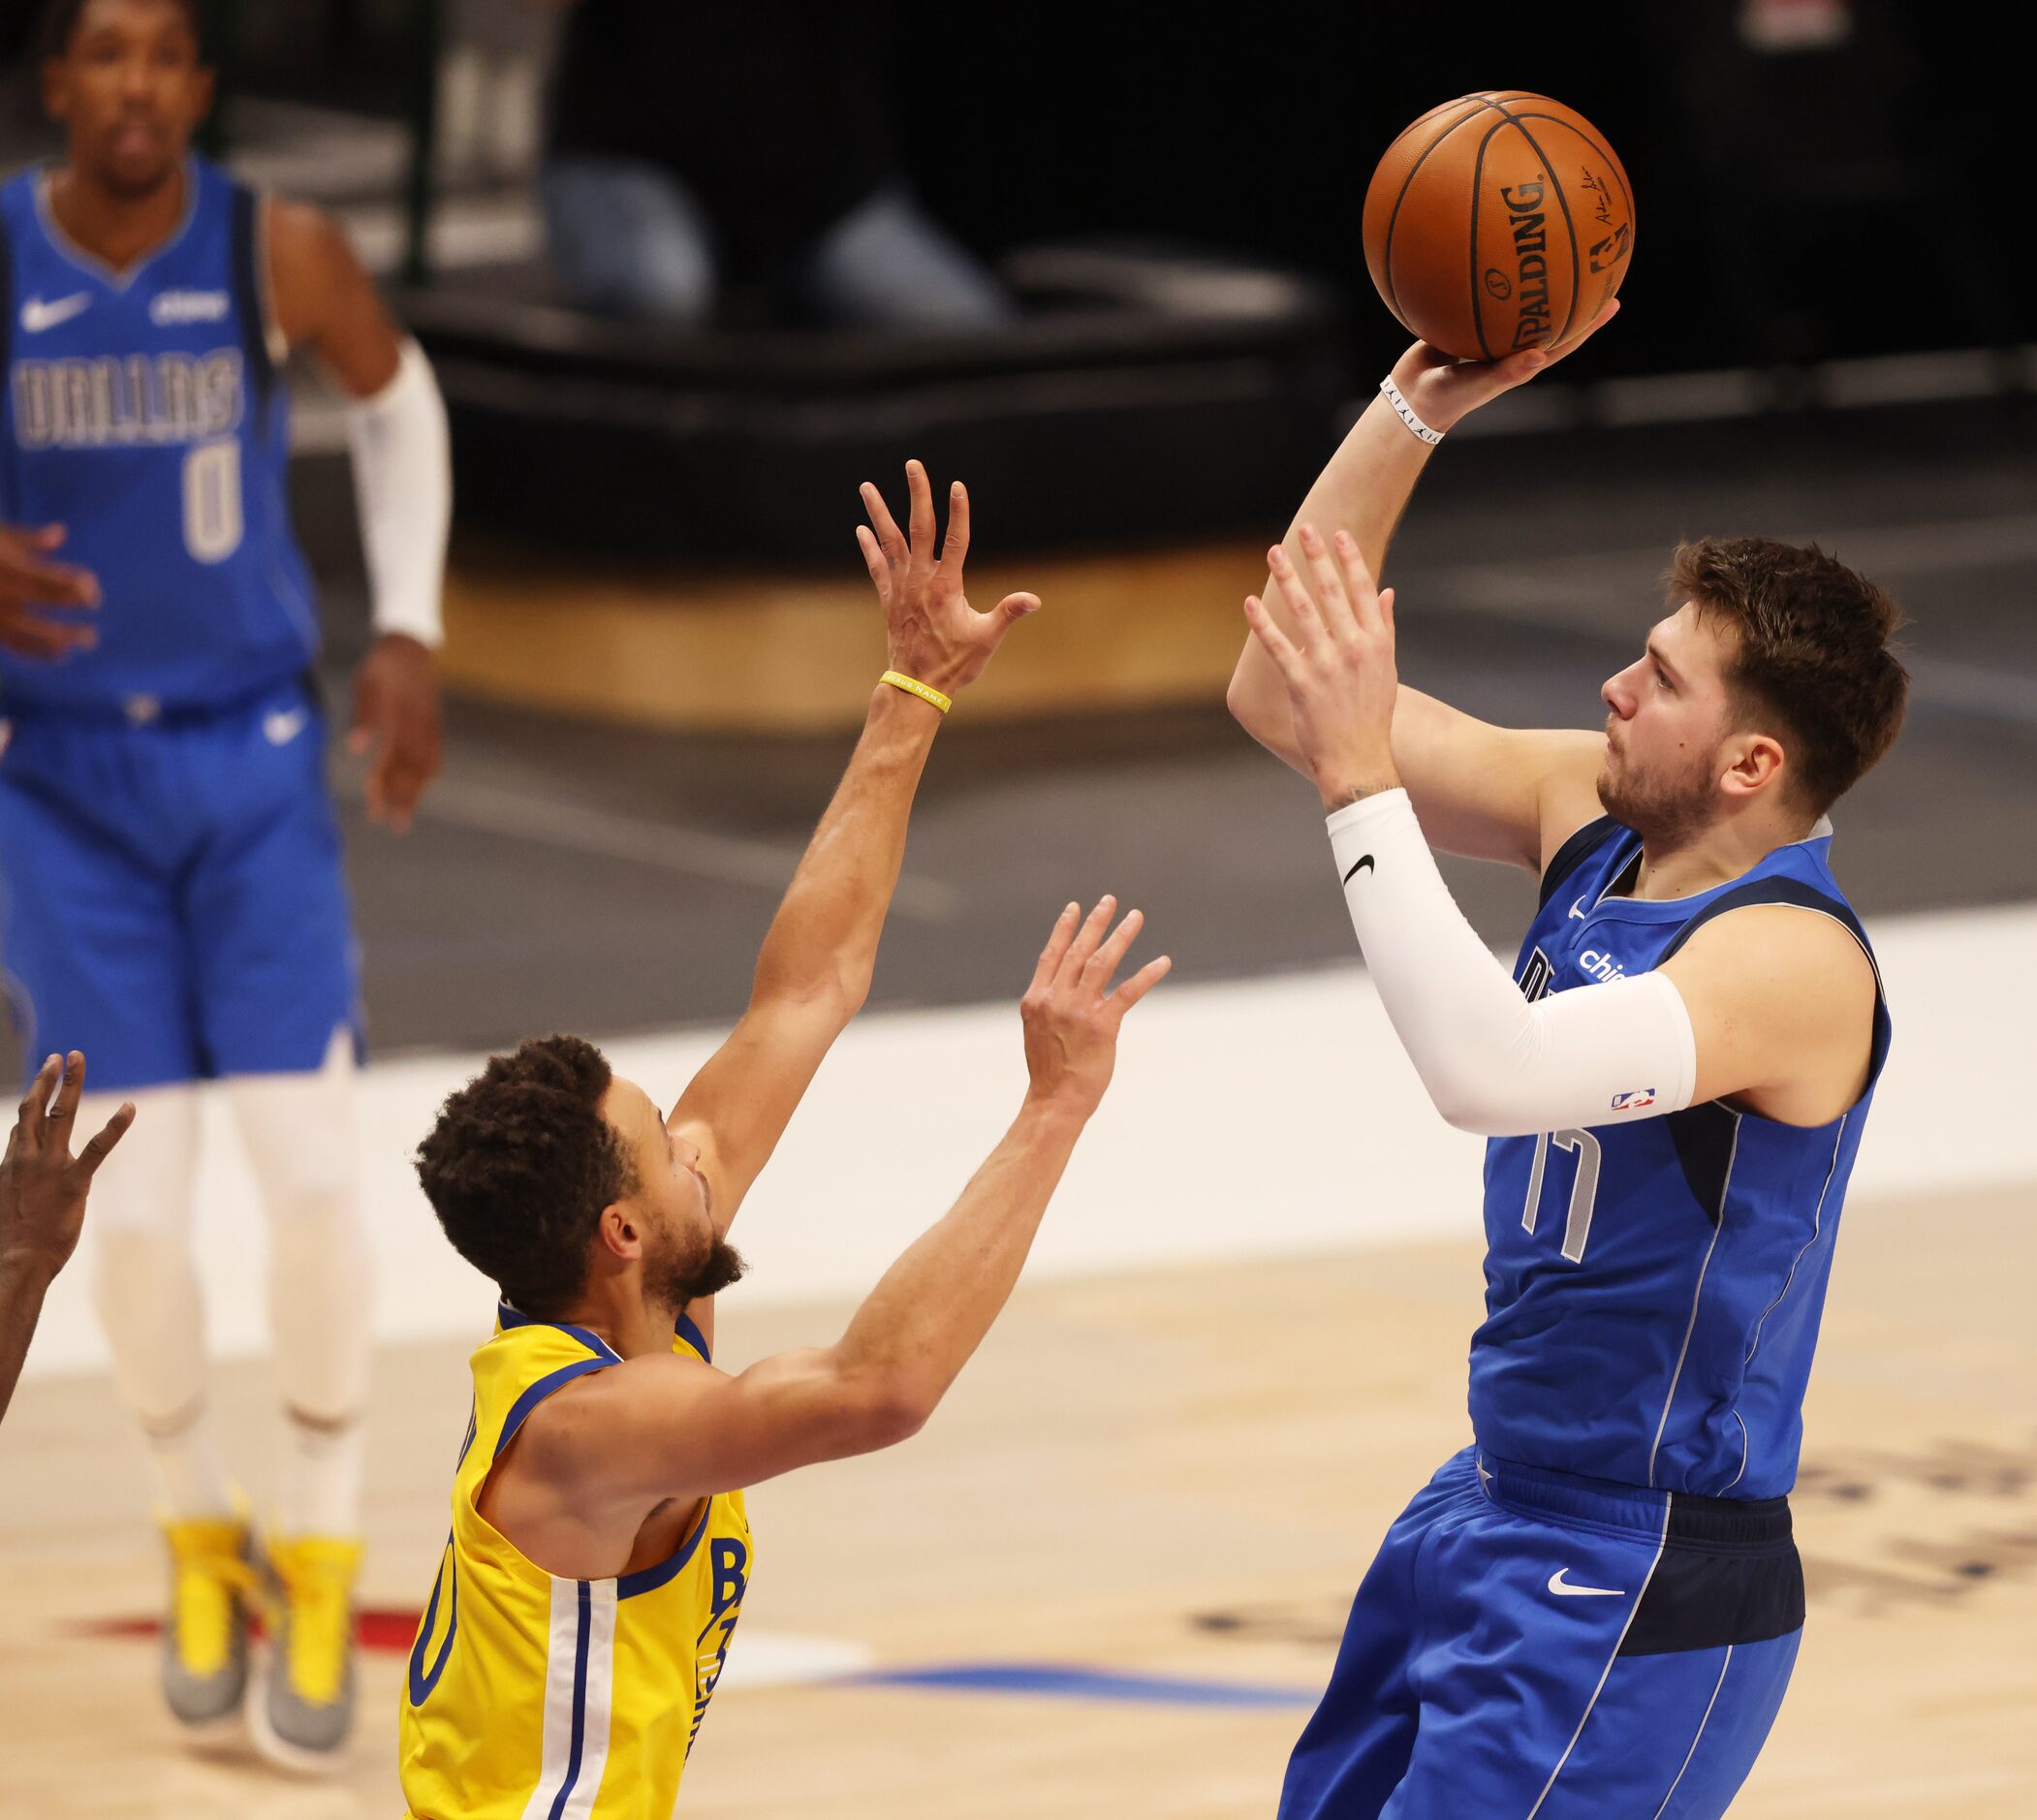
1498 222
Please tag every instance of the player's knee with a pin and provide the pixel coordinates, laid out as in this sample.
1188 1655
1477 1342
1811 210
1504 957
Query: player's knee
146 1185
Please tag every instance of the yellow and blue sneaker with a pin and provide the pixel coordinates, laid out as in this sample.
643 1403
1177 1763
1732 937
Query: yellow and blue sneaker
303 1708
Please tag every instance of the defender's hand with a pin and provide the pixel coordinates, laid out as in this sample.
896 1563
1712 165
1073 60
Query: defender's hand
1339 667
396 719
1072 1018
43 1186
933 632
1444 390
29 581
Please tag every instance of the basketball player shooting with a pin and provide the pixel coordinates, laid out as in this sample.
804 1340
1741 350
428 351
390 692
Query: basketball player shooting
1594 1608
600 1549
177 907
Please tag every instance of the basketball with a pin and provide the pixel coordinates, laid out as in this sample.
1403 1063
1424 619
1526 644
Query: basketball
1498 222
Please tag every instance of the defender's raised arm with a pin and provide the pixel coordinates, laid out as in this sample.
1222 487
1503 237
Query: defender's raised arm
603 1452
815 967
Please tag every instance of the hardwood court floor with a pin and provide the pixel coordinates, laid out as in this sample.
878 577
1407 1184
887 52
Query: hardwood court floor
1177 1474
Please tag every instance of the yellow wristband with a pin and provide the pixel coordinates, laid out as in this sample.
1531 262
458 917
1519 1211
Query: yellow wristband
926 691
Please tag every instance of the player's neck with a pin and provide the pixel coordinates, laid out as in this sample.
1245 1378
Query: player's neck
115 228
625 1320
1711 856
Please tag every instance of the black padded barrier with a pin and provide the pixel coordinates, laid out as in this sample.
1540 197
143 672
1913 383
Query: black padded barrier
1141 399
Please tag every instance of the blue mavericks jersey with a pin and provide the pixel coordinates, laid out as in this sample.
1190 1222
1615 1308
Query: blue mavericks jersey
144 413
1654 1288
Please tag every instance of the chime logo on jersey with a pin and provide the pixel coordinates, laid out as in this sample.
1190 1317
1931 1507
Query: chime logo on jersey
189 306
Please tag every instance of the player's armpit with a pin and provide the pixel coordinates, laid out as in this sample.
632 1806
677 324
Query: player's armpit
1493 793
325 297
668 1427
1782 1002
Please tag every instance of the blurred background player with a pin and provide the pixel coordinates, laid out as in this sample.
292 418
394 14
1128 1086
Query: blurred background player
175 904
1595 1608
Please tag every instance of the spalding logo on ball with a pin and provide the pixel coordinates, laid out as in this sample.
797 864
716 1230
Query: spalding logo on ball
1498 222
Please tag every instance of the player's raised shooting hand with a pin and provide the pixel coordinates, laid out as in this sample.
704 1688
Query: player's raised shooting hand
933 632
1339 666
396 724
43 1186
1444 390
1072 1018
30 583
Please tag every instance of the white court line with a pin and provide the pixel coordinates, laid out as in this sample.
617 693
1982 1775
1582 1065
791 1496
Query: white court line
781 1658
1252 1118
663 846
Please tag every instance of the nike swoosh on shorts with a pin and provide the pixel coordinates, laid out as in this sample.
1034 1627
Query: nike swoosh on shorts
1564 1589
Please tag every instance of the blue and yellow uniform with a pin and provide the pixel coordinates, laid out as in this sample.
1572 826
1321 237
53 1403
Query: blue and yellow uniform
1595 1608
171 895
531 1697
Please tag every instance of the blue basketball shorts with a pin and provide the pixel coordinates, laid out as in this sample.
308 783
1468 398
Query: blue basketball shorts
1530 1642
171 900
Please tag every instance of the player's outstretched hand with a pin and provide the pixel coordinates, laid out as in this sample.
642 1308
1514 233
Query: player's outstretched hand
43 1186
933 634
1444 390
396 724
30 583
1338 664
1071 1015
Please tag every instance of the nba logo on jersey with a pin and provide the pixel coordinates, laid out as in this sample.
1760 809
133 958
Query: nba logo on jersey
1633 1102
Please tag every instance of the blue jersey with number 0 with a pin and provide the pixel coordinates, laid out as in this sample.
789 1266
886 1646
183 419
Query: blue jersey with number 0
1653 1283
144 414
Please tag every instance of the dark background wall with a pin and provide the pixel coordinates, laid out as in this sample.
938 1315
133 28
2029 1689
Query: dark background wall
1817 204
1824 203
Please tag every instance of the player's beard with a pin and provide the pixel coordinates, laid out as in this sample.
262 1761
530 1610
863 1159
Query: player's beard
1664 811
680 1268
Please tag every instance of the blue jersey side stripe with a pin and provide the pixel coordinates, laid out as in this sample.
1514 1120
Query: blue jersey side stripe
248 292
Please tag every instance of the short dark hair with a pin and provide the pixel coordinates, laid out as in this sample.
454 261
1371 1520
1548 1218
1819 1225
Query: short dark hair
60 24
521 1163
1812 653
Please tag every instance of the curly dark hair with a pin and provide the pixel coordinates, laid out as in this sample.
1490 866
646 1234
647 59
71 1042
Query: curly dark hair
1813 652
60 23
521 1163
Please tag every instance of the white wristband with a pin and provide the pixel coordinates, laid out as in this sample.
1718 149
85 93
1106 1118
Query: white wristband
1406 412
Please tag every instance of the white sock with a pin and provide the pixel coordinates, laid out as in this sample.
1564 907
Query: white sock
322 1468
186 1479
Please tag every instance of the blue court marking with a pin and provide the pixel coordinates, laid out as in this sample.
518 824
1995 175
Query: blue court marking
1053 1681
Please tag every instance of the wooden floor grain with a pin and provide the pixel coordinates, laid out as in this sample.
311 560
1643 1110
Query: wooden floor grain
1175 1474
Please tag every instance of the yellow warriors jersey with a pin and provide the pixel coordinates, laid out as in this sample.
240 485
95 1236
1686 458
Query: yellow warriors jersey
530 1697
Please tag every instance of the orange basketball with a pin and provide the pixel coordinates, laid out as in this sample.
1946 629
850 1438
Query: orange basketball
1498 222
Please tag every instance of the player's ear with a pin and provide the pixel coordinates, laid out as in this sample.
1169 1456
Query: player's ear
618 1230
203 86
1756 761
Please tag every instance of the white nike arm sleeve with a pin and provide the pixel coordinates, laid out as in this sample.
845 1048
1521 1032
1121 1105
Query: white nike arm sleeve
403 478
1493 1062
